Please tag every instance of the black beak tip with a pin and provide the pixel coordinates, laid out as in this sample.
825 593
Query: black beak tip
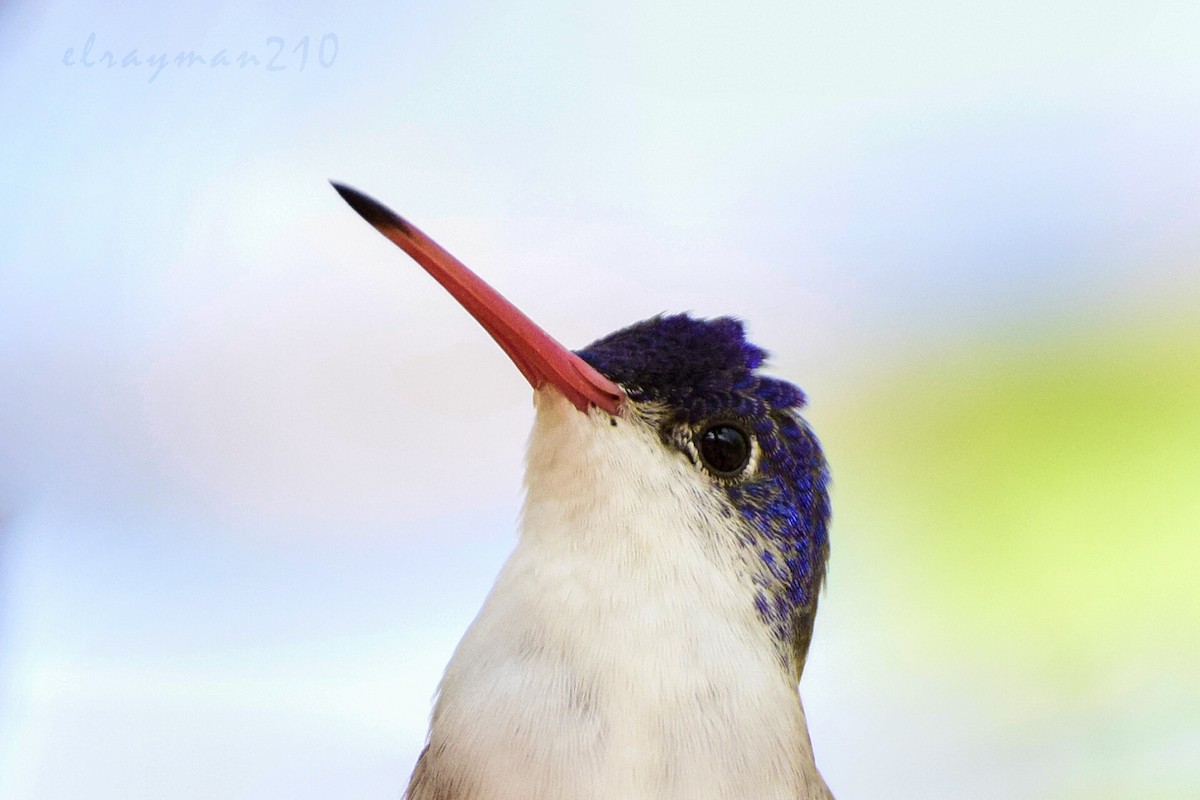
370 209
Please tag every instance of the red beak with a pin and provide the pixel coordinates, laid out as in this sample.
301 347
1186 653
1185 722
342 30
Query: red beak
540 358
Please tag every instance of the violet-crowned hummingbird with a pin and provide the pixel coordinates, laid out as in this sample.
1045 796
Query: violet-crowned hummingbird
645 639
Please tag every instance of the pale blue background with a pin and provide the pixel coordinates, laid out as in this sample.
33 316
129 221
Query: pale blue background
257 473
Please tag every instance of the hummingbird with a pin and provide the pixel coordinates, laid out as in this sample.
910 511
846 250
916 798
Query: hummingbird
646 637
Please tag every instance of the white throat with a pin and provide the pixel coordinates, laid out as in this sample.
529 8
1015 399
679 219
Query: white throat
619 654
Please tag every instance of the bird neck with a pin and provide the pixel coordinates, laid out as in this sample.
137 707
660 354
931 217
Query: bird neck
619 653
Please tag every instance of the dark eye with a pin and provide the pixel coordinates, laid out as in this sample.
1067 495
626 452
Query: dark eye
724 448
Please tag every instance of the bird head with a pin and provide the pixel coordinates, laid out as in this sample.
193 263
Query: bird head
697 383
689 393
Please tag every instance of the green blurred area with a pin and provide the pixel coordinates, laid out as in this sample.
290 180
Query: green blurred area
1036 499
1016 551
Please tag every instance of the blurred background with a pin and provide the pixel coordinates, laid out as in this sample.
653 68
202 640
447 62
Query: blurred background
257 472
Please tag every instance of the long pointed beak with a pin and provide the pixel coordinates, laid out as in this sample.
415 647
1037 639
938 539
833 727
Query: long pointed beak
540 358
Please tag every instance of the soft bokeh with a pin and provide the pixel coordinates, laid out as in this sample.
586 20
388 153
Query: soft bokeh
257 472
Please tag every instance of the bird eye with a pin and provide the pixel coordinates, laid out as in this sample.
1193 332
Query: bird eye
724 448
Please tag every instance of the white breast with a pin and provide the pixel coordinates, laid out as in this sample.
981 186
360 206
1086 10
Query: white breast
619 654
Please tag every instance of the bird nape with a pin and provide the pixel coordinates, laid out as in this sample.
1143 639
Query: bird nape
646 636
